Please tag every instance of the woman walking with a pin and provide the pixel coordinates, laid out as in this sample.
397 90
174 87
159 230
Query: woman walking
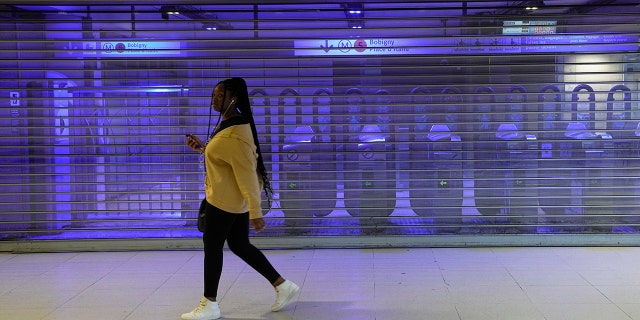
235 176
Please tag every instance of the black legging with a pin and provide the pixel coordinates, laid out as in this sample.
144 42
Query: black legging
234 228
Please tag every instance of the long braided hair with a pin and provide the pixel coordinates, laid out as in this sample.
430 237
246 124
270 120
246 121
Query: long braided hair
238 87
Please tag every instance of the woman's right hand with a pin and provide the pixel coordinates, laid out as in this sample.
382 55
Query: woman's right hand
195 143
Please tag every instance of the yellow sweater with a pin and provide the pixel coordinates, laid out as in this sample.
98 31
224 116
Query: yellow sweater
232 182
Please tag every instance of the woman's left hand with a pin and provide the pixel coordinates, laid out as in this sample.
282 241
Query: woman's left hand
258 224
195 143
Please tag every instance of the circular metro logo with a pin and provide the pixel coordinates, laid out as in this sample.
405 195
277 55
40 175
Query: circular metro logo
360 45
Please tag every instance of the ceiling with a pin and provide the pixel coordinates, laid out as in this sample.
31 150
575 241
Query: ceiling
307 14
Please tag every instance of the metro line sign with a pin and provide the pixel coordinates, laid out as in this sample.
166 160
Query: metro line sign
132 48
505 44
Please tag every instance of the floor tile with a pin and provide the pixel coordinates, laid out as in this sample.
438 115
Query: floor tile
21 313
94 312
499 311
548 277
583 311
621 294
552 294
368 284
631 309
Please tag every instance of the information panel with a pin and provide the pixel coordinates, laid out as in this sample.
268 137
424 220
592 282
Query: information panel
529 27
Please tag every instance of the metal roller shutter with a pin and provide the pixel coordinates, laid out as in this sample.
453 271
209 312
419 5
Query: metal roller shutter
402 119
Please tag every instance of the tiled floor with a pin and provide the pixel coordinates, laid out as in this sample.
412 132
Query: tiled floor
395 284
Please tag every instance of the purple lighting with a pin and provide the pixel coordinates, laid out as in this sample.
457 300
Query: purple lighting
374 118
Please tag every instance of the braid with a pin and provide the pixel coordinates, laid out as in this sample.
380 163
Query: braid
239 87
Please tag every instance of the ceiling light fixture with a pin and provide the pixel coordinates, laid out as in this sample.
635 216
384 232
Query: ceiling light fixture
354 12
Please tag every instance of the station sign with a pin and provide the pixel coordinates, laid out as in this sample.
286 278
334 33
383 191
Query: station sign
471 45
115 49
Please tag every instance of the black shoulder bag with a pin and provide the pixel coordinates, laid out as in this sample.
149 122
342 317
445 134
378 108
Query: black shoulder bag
202 217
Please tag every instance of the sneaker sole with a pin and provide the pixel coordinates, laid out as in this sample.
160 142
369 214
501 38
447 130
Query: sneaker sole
213 318
219 316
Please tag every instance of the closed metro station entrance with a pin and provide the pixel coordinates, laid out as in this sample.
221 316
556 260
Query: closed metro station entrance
431 123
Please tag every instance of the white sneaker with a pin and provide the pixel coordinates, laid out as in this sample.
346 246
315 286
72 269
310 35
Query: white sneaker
285 291
206 310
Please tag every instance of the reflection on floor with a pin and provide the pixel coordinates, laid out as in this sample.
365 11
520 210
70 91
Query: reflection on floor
554 283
